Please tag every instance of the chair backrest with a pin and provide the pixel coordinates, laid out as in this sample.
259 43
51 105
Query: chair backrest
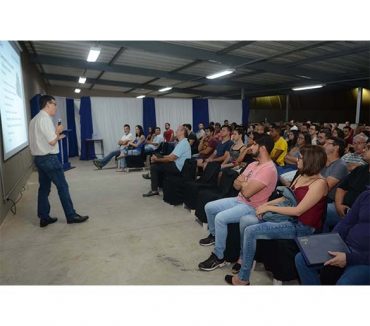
210 173
189 169
227 181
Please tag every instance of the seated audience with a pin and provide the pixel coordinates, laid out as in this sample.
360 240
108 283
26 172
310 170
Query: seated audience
345 268
323 136
347 192
201 131
292 156
126 138
220 154
155 141
150 134
168 134
133 148
292 139
207 144
310 189
237 151
313 131
169 164
335 169
192 138
255 186
355 159
338 133
280 148
348 134
218 131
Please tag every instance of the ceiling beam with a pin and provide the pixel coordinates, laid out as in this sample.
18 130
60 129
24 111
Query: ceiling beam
129 84
190 53
82 64
331 55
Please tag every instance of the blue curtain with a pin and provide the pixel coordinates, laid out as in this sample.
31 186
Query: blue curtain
35 105
149 119
200 113
245 112
86 128
71 125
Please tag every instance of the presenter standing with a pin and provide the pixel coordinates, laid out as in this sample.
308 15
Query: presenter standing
44 136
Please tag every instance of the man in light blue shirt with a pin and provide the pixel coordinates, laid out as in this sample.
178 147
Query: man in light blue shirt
169 164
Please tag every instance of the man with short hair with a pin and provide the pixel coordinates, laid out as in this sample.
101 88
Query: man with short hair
153 145
220 154
347 192
355 159
125 139
192 138
168 134
280 148
348 134
201 131
312 130
335 169
44 136
323 136
169 164
255 186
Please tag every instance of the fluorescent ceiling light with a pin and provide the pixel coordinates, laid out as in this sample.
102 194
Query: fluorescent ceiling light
82 80
140 96
302 88
77 90
165 89
221 73
93 54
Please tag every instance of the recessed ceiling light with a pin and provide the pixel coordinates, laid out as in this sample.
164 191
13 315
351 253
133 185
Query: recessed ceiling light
140 96
77 90
302 88
165 89
82 80
220 74
93 54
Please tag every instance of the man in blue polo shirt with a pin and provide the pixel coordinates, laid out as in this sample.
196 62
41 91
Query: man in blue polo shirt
169 164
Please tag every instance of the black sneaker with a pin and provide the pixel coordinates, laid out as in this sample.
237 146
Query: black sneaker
47 221
146 176
212 263
209 241
97 164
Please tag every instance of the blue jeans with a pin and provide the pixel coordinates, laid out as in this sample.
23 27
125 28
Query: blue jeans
267 231
105 160
127 152
352 275
51 170
222 212
332 218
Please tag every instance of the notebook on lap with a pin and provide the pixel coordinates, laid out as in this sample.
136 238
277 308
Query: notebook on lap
314 248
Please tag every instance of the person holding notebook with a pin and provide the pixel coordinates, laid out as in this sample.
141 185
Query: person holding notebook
345 269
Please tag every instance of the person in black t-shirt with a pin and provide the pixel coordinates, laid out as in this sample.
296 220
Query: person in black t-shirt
347 192
192 138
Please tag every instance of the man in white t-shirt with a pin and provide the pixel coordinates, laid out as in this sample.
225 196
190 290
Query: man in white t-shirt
153 145
44 136
125 139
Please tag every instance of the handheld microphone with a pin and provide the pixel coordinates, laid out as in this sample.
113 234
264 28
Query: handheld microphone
59 122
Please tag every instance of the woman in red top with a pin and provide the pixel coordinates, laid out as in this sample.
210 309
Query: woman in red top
310 190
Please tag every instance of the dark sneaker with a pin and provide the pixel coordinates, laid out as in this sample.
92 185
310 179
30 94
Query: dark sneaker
212 263
97 164
236 268
209 241
229 280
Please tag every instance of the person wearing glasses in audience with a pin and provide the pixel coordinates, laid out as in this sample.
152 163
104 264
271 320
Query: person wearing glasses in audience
355 159
44 136
310 189
347 192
